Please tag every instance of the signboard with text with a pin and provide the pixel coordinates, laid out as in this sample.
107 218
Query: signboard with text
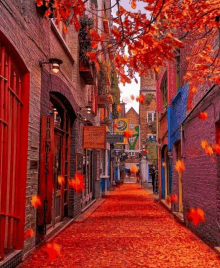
122 125
94 137
114 138
46 172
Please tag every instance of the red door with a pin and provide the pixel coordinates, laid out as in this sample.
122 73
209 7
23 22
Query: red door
14 100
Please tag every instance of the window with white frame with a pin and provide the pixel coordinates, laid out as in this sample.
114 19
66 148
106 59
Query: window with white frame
151 116
131 126
132 153
131 139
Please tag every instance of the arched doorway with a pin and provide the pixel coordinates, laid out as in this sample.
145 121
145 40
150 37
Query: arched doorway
14 112
61 160
54 165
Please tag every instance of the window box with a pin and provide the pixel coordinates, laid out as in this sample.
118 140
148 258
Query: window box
87 73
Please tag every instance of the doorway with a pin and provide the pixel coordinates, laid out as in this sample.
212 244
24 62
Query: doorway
88 166
180 182
61 171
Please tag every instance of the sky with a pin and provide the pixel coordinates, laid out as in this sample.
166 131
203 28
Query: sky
133 88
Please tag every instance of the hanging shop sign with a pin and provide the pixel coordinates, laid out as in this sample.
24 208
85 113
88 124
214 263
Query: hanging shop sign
94 137
46 172
114 138
121 126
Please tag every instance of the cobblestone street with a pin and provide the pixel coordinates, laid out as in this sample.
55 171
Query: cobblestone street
128 230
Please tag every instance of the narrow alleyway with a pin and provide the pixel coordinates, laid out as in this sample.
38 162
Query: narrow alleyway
128 230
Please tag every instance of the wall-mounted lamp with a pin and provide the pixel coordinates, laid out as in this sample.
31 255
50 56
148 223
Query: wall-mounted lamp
55 64
87 108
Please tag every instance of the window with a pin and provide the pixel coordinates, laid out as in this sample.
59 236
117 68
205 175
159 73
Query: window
164 90
131 139
131 126
151 116
132 153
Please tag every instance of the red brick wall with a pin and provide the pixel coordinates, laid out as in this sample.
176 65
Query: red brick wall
200 181
35 41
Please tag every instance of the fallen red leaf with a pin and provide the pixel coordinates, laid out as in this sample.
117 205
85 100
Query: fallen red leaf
35 201
119 108
133 169
179 166
61 179
195 215
127 134
77 183
28 233
172 198
203 116
53 251
115 125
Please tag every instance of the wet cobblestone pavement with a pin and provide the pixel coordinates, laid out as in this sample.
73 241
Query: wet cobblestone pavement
128 230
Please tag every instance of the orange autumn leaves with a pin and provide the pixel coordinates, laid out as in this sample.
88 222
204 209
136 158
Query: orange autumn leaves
203 116
128 134
77 183
195 215
53 251
133 169
140 98
172 198
36 202
180 166
210 149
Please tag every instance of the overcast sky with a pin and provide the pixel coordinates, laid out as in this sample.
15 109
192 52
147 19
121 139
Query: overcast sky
133 88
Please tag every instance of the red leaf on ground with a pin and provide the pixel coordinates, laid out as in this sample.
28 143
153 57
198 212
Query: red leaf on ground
53 251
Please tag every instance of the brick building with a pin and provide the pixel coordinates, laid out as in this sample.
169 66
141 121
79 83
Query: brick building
147 121
180 136
133 147
42 115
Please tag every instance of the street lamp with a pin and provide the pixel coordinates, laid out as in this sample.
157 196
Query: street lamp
87 108
55 64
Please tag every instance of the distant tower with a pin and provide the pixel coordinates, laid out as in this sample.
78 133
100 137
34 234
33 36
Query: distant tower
147 113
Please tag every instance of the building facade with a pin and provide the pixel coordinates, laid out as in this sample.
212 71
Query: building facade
180 133
132 148
42 115
148 124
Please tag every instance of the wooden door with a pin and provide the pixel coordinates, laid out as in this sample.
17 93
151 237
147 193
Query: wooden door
58 170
